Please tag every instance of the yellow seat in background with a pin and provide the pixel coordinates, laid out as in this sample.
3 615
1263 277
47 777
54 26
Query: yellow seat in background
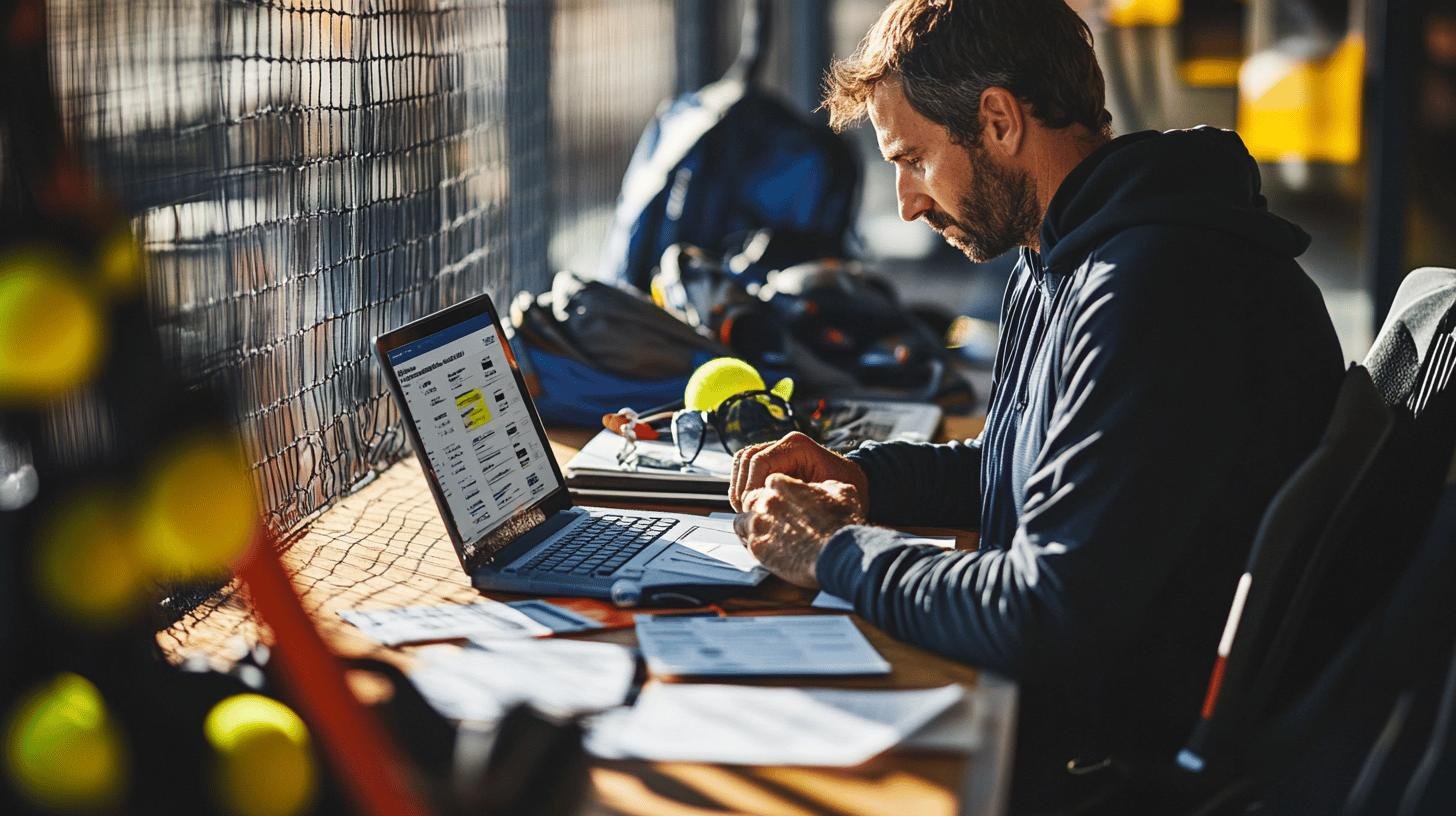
1305 109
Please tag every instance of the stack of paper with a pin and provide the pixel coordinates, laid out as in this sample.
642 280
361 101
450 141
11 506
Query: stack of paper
484 618
711 550
595 473
765 726
794 645
564 677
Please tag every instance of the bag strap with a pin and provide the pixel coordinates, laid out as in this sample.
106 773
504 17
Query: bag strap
753 43
714 101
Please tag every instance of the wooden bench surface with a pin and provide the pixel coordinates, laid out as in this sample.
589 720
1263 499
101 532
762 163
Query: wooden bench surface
385 546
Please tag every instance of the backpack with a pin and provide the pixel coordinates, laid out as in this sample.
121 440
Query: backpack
727 159
587 348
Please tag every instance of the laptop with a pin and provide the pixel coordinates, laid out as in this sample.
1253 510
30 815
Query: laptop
484 452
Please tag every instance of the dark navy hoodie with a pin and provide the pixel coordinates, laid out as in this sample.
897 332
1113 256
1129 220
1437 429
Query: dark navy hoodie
1164 365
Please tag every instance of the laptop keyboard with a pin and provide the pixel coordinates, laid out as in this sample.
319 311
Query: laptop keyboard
600 546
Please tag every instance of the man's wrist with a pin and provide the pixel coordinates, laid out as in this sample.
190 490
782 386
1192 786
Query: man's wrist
847 554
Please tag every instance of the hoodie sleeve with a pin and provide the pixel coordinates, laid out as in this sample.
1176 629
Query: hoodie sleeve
919 483
1132 453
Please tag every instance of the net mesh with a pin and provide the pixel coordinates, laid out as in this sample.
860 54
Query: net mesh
306 174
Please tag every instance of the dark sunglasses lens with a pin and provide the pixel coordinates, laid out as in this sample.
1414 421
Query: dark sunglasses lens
688 432
754 419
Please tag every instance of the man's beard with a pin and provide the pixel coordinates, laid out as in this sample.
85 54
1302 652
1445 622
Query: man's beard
997 214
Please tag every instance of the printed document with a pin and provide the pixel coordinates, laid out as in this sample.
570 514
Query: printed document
760 645
563 677
748 725
484 618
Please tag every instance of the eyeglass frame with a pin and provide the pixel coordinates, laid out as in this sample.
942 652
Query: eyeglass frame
714 419
629 459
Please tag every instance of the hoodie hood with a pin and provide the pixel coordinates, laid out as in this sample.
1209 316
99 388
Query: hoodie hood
1203 177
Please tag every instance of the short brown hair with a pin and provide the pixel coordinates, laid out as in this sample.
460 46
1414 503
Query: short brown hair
945 53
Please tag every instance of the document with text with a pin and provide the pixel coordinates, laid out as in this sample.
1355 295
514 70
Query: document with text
759 645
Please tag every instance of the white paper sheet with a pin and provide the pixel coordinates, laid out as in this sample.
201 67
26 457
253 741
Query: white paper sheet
707 550
960 729
826 601
565 677
765 726
758 645
412 624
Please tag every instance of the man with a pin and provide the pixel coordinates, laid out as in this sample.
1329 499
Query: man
1164 365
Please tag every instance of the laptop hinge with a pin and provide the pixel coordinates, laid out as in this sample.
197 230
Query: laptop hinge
529 539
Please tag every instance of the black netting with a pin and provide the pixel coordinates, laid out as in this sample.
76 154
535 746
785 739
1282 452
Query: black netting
305 174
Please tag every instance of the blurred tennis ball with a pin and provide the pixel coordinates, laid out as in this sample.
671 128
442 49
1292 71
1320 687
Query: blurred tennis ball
721 378
265 765
51 330
119 262
88 567
62 749
197 513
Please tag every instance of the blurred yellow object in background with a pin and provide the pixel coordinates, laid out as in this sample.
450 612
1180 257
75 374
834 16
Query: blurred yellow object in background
722 377
62 750
197 512
120 262
51 331
88 567
1303 109
1210 72
265 763
1127 13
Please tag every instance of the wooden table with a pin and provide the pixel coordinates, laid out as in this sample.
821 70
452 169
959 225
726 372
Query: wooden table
385 546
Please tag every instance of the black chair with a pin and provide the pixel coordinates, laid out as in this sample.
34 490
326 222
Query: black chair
1305 526
1335 558
1376 733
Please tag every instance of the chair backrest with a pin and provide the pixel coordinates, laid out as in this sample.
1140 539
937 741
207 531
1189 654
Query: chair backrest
1408 343
1375 734
1341 534
1305 524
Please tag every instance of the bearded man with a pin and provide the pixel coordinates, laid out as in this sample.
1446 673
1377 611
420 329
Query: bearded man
1164 365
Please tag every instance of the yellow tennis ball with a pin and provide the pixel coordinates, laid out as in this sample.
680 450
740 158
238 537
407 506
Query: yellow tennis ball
119 262
265 764
62 749
717 380
51 331
88 565
197 512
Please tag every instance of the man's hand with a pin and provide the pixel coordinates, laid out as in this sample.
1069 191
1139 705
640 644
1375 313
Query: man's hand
787 522
801 457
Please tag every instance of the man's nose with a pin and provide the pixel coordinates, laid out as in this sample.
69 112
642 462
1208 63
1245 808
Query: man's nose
913 202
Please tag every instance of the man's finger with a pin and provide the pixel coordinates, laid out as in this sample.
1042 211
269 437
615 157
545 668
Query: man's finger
840 490
756 501
785 455
737 481
783 481
741 526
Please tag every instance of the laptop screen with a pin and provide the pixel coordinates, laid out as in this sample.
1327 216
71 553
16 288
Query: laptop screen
491 465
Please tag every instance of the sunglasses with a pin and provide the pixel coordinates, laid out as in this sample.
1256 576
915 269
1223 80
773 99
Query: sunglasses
741 420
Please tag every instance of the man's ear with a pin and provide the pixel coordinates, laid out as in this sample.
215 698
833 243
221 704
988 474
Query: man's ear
1003 121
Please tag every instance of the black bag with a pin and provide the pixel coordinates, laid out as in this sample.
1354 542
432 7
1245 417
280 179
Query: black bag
839 329
587 348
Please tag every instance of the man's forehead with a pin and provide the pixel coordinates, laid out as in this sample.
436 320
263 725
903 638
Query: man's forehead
887 108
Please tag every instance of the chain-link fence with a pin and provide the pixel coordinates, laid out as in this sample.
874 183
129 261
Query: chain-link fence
306 174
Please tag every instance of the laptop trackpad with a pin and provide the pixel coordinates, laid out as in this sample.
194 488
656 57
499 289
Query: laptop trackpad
709 553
